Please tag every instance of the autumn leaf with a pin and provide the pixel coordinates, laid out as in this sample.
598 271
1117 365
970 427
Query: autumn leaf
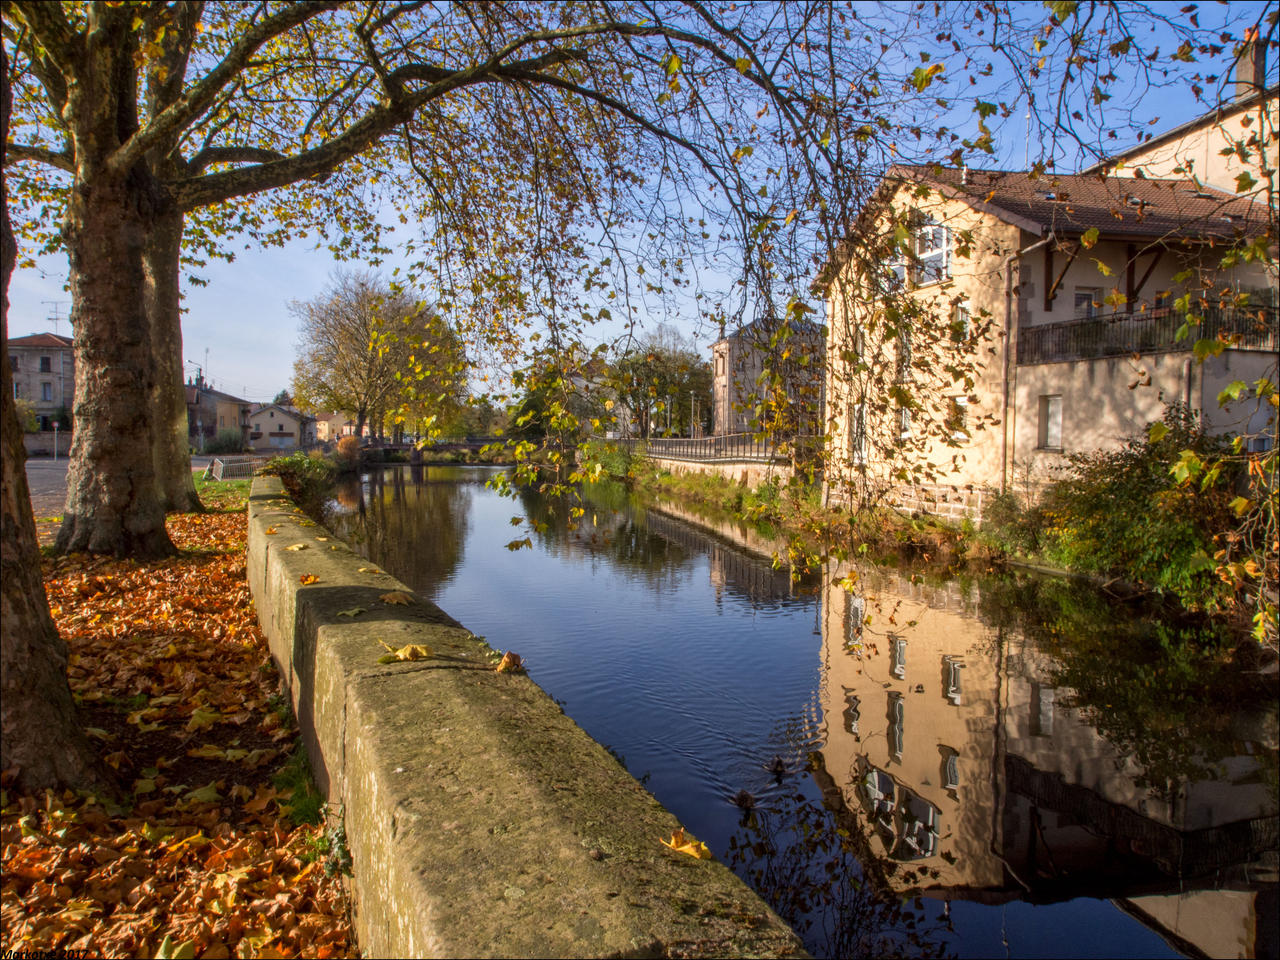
296 546
681 844
353 612
206 794
202 719
270 531
520 544
410 651
370 570
307 578
510 663
397 597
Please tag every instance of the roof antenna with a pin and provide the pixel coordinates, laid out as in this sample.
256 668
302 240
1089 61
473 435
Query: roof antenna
57 315
1026 156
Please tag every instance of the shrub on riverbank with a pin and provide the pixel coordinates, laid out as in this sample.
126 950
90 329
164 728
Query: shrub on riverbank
1124 514
307 477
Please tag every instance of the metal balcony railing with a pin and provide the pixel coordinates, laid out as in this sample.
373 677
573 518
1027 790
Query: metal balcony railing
1120 334
730 446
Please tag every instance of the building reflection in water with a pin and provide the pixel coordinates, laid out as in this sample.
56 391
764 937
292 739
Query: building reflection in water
968 778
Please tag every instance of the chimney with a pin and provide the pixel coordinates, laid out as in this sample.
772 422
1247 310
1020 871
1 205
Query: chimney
1251 65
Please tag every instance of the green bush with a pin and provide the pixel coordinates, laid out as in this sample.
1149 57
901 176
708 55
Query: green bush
614 462
1122 513
308 479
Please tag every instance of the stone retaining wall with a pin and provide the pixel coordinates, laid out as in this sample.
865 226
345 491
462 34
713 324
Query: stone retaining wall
748 472
481 820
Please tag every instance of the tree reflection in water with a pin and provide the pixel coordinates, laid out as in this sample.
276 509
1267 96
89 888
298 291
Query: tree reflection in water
413 519
807 861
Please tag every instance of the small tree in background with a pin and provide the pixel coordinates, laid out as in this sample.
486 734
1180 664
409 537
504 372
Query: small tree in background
370 348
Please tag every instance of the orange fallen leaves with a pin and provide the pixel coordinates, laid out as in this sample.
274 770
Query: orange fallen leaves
204 858
397 596
307 578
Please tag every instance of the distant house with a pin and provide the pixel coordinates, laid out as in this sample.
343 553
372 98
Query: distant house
211 412
793 352
44 373
1075 279
273 427
335 426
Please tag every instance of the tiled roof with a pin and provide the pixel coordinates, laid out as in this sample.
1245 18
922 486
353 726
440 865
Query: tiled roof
42 340
1068 204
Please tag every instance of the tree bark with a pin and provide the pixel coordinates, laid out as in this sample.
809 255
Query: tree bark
172 450
113 504
40 737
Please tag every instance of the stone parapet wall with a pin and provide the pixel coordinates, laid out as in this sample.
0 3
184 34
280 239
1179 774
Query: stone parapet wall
481 820
748 473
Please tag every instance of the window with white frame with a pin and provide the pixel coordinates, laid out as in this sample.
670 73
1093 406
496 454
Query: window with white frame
951 667
960 324
46 392
957 421
933 252
904 353
897 723
852 711
898 657
950 768
1088 302
858 432
1049 423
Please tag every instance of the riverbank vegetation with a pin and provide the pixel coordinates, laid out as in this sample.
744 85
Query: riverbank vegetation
1135 519
212 844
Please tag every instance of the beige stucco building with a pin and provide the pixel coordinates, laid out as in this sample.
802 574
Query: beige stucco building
997 321
44 373
275 427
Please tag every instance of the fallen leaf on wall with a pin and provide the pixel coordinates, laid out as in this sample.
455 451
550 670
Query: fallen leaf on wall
308 578
410 651
398 597
511 663
682 844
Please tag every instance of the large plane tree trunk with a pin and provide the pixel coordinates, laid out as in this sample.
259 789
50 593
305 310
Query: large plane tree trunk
40 736
113 505
172 448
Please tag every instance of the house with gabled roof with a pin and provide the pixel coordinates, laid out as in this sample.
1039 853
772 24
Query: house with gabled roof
1061 295
273 427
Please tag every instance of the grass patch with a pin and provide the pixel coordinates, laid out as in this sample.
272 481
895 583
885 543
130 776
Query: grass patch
305 804
224 496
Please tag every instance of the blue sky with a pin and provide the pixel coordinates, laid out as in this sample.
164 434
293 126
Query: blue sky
239 329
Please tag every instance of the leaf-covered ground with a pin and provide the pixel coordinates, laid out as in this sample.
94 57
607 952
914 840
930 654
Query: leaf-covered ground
202 858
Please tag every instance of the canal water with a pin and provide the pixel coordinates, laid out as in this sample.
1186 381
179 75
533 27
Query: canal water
898 764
